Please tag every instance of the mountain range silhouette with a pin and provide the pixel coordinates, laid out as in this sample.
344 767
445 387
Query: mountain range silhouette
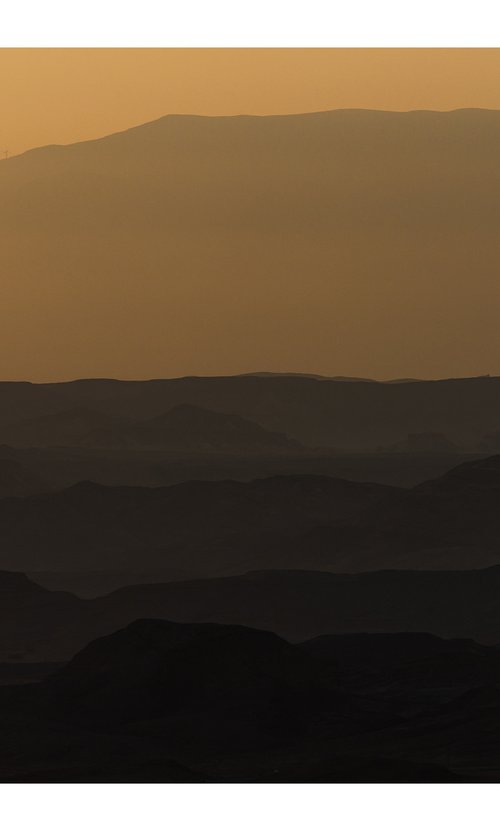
244 566
206 529
158 701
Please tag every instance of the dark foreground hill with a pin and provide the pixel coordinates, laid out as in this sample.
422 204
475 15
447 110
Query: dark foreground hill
164 702
206 529
158 669
299 605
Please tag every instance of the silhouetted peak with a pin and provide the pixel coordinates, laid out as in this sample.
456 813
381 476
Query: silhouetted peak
159 667
151 638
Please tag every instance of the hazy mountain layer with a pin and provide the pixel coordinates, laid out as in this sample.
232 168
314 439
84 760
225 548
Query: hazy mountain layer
187 530
360 416
153 468
206 529
39 625
354 242
186 429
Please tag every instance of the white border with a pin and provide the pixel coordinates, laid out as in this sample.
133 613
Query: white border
188 23
237 808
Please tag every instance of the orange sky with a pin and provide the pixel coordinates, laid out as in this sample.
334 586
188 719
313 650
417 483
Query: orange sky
66 95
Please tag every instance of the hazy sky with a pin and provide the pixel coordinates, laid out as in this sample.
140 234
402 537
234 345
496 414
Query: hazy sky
66 95
347 243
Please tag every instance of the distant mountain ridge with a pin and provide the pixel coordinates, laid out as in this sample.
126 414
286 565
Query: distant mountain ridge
343 415
383 217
